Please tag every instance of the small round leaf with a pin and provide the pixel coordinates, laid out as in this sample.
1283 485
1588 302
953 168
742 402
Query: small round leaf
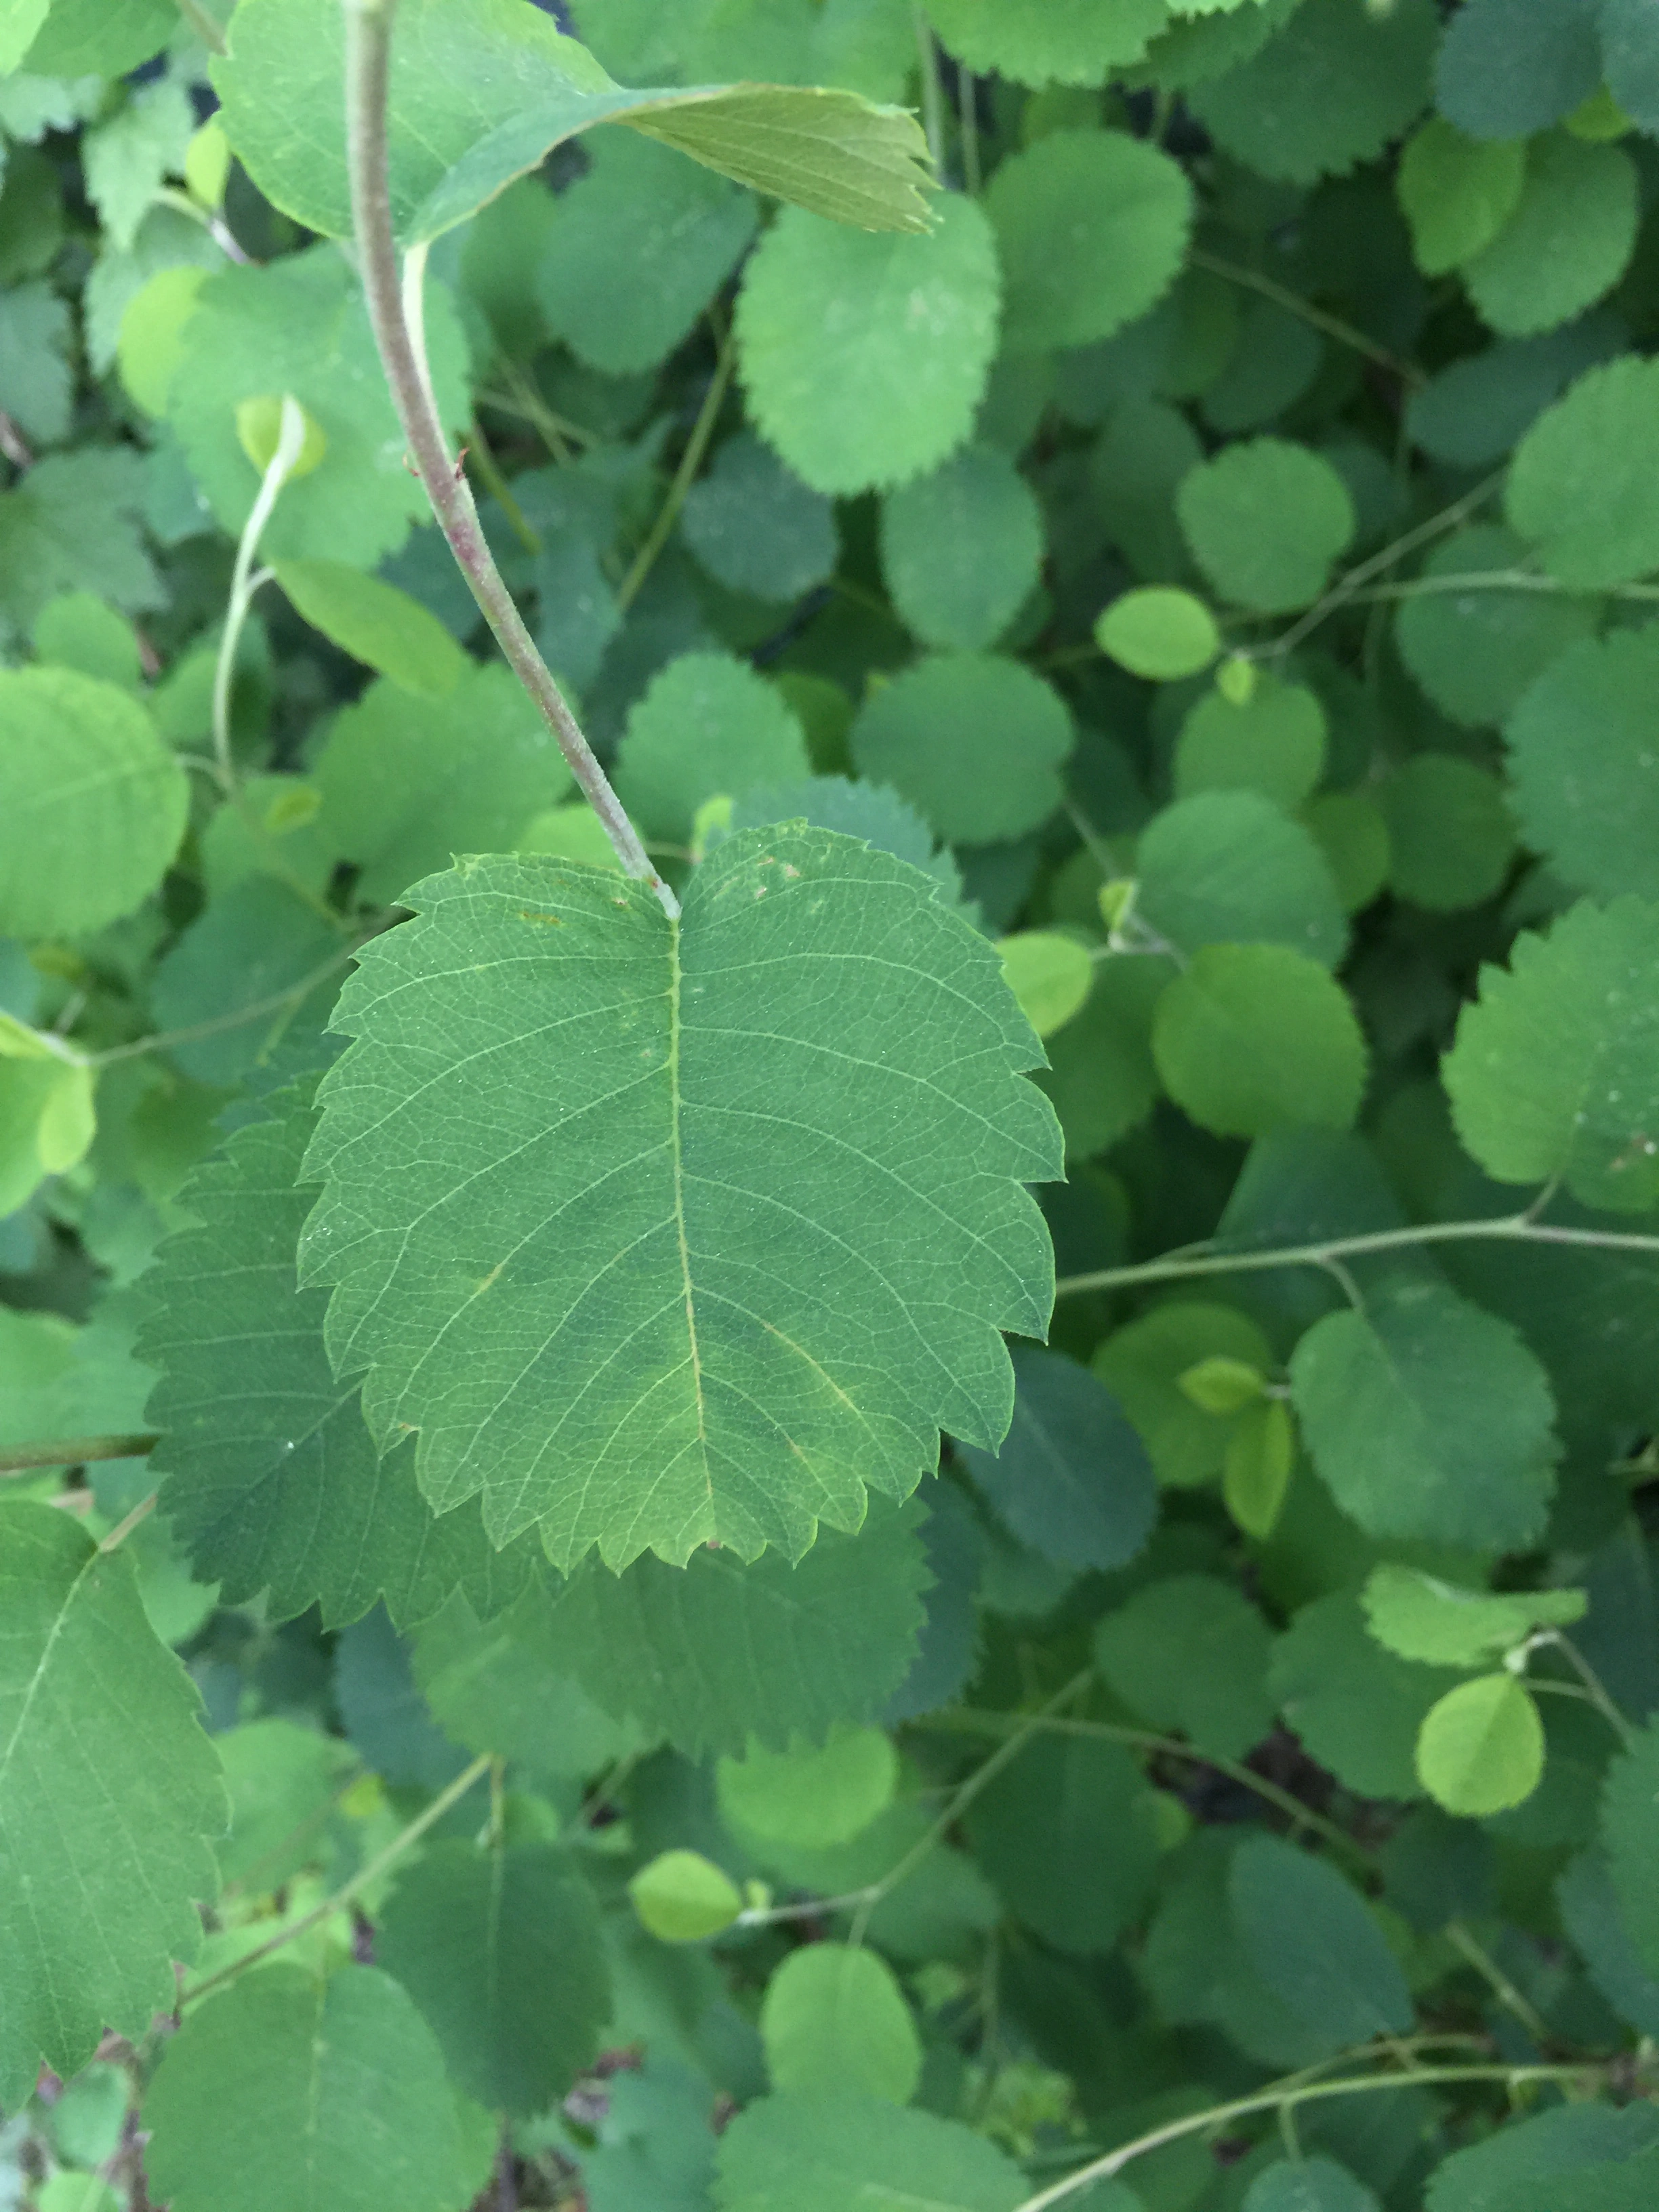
1160 633
682 1897
1481 1750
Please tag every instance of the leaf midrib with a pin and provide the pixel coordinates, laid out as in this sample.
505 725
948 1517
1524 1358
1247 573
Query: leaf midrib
678 1164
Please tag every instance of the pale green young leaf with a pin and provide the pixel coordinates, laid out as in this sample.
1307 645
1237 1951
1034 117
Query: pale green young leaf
1259 1463
757 528
1272 743
682 1897
1227 867
1456 193
835 2019
1072 1481
500 1949
1583 757
270 1478
962 549
1555 1068
99 38
375 624
1143 1363
1481 1748
244 2110
1256 1037
1428 1418
975 740
1038 42
1356 1706
827 2151
1451 837
1582 487
1568 242
864 358
94 803
1265 520
1311 1938
1051 976
1092 226
1081 1875
1475 651
110 1801
810 1797
1444 1624
1189 1654
1629 1835
19 22
707 727
1159 633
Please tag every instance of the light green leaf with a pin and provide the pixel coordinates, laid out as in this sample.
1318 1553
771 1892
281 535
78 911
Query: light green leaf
1260 1461
1581 487
110 1798
1080 1873
1143 1364
1421 1617
757 528
1567 243
835 2019
501 1950
1255 1037
1092 227
78 630
1309 1937
962 549
1473 652
101 38
718 1653
707 726
1555 1068
828 2152
1220 1385
1451 839
682 1897
864 358
127 157
407 783
1357 1707
1629 1833
375 624
1038 42
809 1798
93 801
1051 976
242 2111
1481 1747
19 22
1189 1654
270 1479
1265 520
1272 743
71 524
1226 867
1428 1418
1583 752
1457 193
1159 633
975 740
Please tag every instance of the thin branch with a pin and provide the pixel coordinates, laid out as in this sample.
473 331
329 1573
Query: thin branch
13 444
296 994
1497 1981
1495 580
118 1535
72 1451
369 60
1509 1228
203 26
360 1881
684 477
1317 318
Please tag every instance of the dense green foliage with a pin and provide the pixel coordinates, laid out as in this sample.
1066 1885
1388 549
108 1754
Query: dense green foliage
582 1621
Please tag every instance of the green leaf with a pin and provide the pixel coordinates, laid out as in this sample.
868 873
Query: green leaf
1051 976
1549 2159
1159 633
826 2151
682 1897
757 528
406 783
1350 831
1592 1915
299 326
1038 42
707 727
1227 867
19 22
1509 67
835 2019
864 358
482 92
1255 1475
676 229
110 1798
1256 1037
1072 1481
1580 486
125 157
1079 1874
1555 1069
1421 1617
1630 1831
270 1479
1583 767
284 2087
1272 741
1308 2185
1265 520
1143 1364
282 1780
1357 1707
1481 1747
1314 1943
78 630
232 971
1072 280
1456 193
1332 89
867 810
1628 58
1428 1418
500 1949
37 378
71 524
975 741
1473 652
962 549
101 38
1100 1075
718 1653
375 624
1451 839
1220 1385
1190 1654
1568 242
94 803
809 1798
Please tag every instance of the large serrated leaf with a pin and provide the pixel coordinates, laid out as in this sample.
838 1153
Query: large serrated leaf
482 90
665 1233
